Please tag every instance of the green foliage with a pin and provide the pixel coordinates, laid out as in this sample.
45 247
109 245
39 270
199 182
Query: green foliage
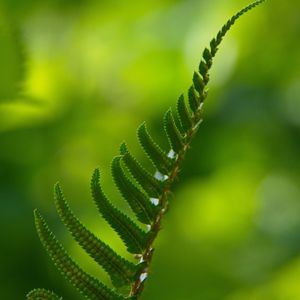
87 285
137 200
194 100
158 156
42 294
134 238
183 114
148 198
120 270
173 133
150 184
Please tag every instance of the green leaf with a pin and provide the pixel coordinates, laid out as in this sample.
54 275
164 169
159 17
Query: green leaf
42 294
198 83
134 238
203 70
137 200
151 185
194 101
90 287
121 271
184 115
219 37
158 157
207 56
213 47
173 134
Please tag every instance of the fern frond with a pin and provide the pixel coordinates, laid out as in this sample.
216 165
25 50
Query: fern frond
147 197
198 82
148 182
194 100
158 157
203 70
207 57
137 200
196 96
134 238
184 115
42 294
121 271
90 287
173 133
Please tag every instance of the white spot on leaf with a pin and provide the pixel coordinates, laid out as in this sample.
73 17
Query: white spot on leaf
171 154
143 276
159 176
154 201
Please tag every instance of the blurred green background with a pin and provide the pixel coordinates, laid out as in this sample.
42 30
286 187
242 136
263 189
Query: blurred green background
78 77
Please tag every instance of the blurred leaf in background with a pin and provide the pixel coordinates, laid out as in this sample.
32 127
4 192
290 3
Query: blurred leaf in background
78 77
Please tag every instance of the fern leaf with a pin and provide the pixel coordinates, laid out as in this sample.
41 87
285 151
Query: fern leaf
151 185
214 46
137 200
194 101
158 157
207 57
173 134
90 287
134 238
121 271
203 70
42 294
198 83
184 115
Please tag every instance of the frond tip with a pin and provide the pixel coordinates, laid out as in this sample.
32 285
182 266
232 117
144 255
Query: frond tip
42 294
